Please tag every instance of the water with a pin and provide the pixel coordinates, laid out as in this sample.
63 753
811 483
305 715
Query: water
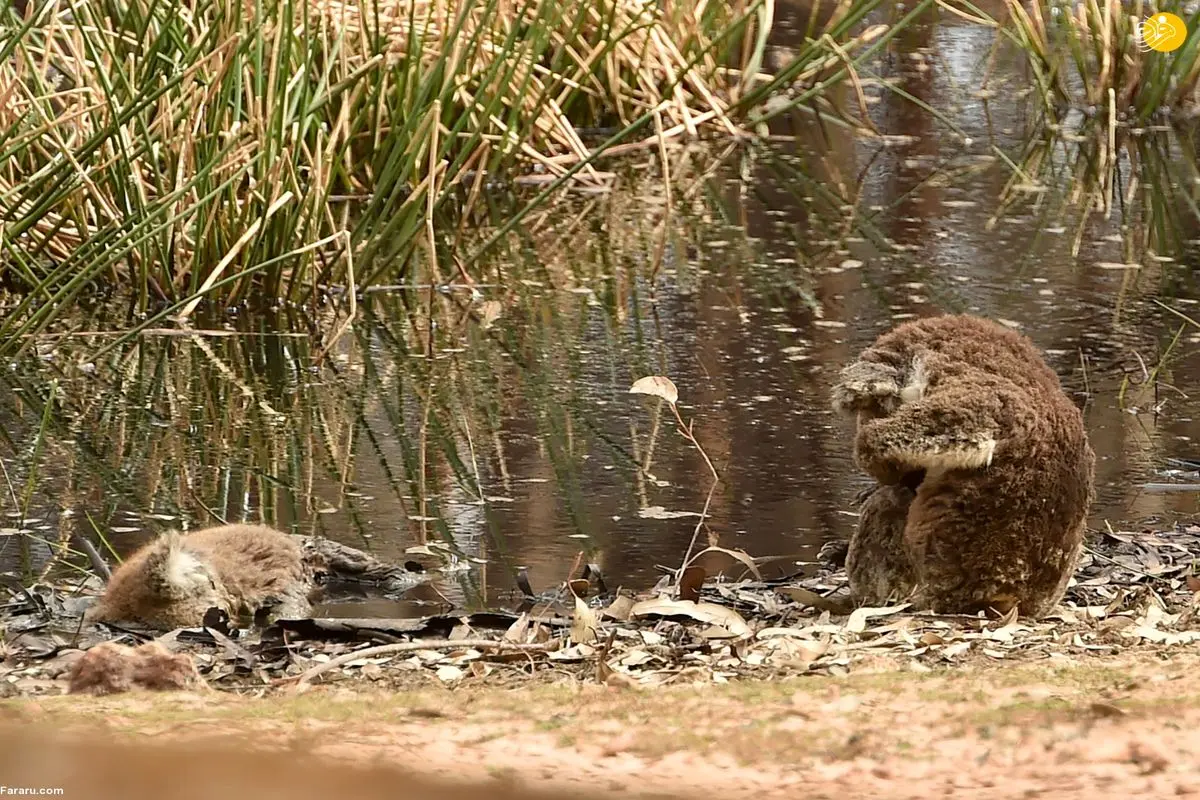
776 269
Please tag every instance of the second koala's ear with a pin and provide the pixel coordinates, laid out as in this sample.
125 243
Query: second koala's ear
157 564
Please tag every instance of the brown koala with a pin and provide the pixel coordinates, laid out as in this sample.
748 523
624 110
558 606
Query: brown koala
172 581
985 472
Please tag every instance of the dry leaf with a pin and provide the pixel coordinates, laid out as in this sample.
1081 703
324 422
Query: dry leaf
489 312
690 583
583 624
858 619
951 651
741 555
1193 583
704 612
578 652
619 608
448 673
834 605
519 630
658 386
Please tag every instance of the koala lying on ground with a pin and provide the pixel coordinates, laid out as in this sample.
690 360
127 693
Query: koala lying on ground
173 580
983 466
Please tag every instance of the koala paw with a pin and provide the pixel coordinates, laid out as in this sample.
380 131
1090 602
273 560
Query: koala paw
950 451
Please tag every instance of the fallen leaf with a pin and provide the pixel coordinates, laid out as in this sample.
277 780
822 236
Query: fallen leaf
619 608
690 583
579 652
703 612
858 618
952 651
583 624
1193 583
834 605
448 673
519 630
635 658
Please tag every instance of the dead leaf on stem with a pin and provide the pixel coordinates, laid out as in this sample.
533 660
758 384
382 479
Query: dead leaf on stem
658 386
583 623
738 555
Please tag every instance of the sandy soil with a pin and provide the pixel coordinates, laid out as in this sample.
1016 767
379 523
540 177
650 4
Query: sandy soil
1113 727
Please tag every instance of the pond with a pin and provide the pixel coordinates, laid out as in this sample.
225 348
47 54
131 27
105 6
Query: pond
498 419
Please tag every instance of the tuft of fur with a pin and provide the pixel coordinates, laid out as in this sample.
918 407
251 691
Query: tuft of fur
173 580
984 469
110 668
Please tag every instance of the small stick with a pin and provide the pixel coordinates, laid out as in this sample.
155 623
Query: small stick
405 647
98 562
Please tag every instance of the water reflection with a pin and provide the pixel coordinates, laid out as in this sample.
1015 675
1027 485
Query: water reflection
517 444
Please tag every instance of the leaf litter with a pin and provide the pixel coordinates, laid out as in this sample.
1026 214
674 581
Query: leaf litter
1133 589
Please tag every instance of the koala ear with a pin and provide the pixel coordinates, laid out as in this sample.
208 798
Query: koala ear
867 386
174 572
155 565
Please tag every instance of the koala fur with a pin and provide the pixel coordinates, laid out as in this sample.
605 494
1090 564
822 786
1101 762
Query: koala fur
110 668
173 580
984 471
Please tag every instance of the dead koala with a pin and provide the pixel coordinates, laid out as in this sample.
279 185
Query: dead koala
173 580
984 471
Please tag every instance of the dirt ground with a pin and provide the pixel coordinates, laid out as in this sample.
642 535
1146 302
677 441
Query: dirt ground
1126 726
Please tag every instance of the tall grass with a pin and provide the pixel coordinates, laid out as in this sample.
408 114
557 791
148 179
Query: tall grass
1088 56
273 147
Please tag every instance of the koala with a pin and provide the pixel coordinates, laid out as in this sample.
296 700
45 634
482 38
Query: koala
173 580
984 474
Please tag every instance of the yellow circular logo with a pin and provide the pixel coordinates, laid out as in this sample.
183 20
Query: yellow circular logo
1162 32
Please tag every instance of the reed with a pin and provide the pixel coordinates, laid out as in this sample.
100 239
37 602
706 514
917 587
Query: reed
272 148
1088 56
1090 180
